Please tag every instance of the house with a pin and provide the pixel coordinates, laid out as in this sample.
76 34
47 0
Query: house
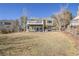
35 25
48 24
8 25
39 25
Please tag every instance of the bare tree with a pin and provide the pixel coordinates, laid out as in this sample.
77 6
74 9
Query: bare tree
62 20
23 22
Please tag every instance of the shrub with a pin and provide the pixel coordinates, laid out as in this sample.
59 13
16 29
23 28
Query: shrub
6 31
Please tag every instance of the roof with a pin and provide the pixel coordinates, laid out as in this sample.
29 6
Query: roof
7 20
77 17
75 21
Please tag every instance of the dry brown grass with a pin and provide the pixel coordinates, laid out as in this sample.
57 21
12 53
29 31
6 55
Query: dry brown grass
37 43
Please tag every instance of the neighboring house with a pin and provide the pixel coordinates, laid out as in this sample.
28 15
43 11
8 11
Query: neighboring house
75 21
8 25
74 24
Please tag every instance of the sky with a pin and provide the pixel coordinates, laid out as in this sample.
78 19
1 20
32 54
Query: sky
39 10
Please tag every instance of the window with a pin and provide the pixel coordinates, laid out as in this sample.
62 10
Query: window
7 23
49 21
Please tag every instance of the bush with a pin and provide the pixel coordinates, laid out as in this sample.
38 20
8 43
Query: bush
6 31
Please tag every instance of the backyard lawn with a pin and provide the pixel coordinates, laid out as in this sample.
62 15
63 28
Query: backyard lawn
37 44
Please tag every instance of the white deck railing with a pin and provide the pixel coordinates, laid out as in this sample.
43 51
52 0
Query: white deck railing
35 22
